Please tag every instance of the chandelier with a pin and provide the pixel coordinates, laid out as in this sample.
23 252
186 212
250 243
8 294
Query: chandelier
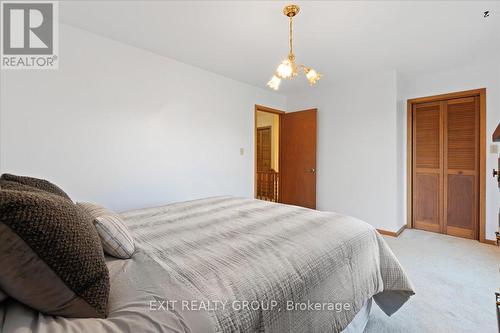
288 68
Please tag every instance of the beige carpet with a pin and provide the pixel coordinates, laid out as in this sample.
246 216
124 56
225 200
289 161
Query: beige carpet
455 281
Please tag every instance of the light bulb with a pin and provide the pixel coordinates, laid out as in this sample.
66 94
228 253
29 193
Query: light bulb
311 75
274 83
284 70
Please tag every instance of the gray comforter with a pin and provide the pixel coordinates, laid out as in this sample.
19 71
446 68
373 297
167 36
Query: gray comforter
237 265
234 250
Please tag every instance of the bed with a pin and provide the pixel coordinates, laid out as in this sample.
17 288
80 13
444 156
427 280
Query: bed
229 264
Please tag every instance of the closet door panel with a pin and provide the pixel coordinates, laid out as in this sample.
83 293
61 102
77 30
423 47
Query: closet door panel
461 166
461 134
461 198
427 150
427 136
427 202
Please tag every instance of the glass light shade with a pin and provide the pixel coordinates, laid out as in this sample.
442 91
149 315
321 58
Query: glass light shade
285 69
274 83
312 76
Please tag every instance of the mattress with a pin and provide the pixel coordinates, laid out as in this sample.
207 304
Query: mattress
199 262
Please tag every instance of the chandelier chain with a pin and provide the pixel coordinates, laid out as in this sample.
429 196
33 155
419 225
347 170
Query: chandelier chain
291 37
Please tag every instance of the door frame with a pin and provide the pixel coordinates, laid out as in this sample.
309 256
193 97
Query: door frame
280 113
481 93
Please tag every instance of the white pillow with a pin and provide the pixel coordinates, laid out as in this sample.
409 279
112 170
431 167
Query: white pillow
115 237
95 210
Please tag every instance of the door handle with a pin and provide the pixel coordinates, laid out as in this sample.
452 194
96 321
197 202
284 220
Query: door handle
312 170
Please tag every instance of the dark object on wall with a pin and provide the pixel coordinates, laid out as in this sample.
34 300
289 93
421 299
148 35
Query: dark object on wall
496 138
496 134
51 255
497 296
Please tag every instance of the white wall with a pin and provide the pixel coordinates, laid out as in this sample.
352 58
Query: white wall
127 128
357 147
483 75
362 139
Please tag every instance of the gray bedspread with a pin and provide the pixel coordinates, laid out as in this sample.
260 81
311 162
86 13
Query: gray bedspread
199 262
277 257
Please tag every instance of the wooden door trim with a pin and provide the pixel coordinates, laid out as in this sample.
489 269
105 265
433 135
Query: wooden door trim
392 233
481 93
261 108
453 95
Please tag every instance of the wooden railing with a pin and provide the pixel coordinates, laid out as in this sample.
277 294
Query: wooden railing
267 185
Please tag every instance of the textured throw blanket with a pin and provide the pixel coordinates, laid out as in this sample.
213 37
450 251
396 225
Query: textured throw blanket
260 266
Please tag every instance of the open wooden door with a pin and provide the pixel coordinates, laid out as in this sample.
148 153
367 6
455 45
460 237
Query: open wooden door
298 158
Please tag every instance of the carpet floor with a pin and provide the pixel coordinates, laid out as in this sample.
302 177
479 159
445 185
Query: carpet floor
455 280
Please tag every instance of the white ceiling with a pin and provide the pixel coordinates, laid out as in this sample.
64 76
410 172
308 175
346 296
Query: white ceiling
245 40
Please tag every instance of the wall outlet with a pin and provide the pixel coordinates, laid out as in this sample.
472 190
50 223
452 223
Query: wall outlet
242 151
493 149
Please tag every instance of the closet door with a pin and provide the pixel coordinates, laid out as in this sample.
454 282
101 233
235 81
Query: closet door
428 166
461 166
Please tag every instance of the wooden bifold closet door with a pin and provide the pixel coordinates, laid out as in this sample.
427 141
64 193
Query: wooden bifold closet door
446 166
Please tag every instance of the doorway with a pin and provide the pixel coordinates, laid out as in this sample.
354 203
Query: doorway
446 161
267 155
285 156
